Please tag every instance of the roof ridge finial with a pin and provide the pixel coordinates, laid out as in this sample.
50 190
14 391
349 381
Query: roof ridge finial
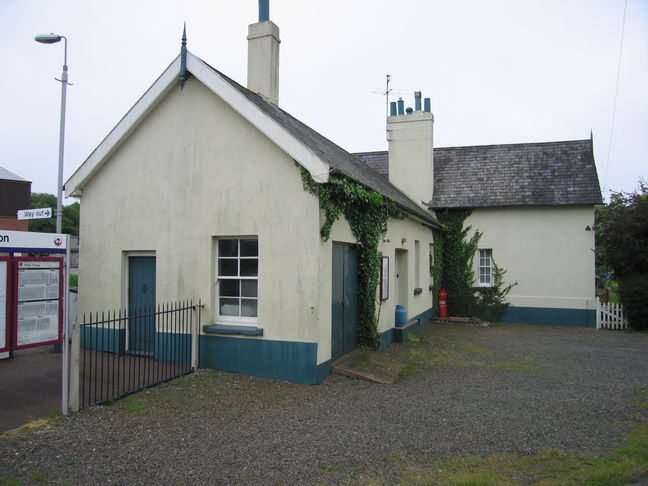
183 57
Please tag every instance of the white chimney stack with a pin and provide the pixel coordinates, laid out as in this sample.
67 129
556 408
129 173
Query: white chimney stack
263 55
411 149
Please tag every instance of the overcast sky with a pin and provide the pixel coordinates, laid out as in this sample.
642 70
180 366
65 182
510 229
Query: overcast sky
497 71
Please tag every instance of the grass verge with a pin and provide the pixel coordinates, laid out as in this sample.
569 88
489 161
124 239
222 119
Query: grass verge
552 467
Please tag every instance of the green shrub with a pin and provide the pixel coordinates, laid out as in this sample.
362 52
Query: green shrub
634 295
491 301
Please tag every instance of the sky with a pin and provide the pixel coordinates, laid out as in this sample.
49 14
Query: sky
501 71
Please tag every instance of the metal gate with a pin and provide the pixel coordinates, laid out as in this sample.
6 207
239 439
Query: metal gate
108 370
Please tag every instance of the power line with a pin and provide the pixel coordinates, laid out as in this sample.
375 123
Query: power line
616 94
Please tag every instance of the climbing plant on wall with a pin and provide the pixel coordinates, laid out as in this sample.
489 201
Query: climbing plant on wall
367 213
454 252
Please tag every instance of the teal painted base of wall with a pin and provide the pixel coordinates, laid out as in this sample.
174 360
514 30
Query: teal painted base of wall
386 338
103 339
405 333
393 335
278 360
323 370
173 348
551 316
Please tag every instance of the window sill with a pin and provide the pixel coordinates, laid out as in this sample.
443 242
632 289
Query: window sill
229 329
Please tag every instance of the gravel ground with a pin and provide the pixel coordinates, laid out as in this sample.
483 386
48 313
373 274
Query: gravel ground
475 391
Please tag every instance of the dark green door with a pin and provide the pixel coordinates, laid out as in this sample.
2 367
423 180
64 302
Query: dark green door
345 301
141 305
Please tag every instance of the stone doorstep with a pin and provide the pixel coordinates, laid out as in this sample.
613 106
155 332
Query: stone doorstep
367 365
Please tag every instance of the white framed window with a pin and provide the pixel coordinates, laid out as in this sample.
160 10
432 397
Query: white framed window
485 268
237 289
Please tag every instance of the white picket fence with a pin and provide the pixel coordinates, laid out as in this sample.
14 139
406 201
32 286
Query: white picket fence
610 316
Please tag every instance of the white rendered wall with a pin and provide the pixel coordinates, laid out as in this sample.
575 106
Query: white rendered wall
546 250
195 170
192 171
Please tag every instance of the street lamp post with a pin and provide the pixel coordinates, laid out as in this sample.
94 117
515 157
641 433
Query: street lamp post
52 39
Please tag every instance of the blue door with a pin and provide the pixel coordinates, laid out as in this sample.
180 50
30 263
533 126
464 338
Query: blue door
344 311
141 305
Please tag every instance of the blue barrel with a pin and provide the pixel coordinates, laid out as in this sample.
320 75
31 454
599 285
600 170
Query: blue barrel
401 316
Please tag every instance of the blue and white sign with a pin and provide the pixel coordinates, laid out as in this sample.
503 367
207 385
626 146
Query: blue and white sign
40 213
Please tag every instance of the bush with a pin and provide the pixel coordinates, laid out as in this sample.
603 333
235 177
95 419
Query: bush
634 295
491 302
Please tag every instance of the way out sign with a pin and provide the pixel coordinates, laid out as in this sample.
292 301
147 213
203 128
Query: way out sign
39 213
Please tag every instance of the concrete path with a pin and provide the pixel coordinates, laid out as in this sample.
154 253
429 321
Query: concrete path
30 386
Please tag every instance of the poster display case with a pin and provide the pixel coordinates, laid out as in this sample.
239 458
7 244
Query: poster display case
38 287
4 305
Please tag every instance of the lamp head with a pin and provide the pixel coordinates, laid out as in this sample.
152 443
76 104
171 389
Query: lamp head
48 38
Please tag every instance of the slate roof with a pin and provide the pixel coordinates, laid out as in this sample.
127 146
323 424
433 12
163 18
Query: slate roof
338 158
7 175
525 174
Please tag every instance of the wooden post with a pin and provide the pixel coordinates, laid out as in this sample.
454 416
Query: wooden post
598 313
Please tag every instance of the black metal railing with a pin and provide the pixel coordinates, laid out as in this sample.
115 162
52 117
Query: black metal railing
123 352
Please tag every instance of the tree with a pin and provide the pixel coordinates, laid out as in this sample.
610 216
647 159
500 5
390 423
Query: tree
69 221
622 247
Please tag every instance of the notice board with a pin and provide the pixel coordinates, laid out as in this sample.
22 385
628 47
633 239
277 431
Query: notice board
38 286
4 303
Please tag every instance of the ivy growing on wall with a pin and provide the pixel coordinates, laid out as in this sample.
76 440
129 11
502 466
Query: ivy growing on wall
367 213
454 252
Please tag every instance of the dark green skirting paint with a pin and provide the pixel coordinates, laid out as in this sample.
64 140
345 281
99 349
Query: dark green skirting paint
103 339
173 347
278 360
386 338
411 329
551 316
393 335
323 370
